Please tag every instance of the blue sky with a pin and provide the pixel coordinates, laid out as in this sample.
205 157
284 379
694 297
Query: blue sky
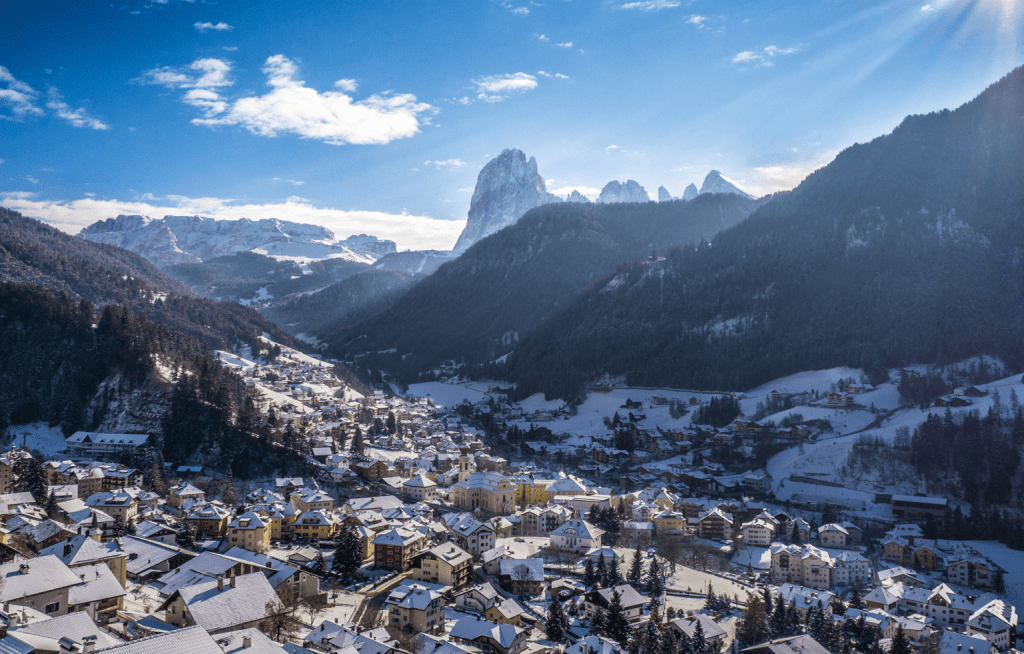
377 116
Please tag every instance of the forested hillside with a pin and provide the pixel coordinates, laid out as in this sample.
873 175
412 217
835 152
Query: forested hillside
476 308
905 249
336 307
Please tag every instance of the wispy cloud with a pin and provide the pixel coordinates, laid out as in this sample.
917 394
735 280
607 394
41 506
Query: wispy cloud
762 57
21 100
408 231
564 45
561 76
697 20
927 9
454 163
348 85
230 48
31 179
293 182
291 107
17 97
495 88
207 26
543 38
650 5
521 11
77 117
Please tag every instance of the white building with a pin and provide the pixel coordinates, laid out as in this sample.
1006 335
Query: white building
576 536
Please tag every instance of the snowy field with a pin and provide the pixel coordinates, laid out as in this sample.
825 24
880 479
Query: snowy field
38 436
449 395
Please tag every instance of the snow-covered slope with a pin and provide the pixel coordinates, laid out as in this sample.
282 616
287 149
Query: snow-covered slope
193 239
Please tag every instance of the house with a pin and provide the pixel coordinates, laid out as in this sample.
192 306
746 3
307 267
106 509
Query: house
470 534
576 536
193 640
318 524
522 576
792 645
715 524
477 598
79 551
758 532
95 445
952 642
971 569
43 583
218 606
415 609
446 564
802 565
394 549
370 470
804 598
181 493
311 499
996 621
920 508
121 504
713 634
420 488
250 532
100 594
491 637
632 602
833 535
507 611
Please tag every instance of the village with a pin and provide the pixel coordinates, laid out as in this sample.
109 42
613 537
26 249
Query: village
424 525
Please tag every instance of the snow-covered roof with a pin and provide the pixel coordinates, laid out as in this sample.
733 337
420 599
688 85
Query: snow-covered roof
508 567
193 640
415 596
107 439
471 629
628 595
237 604
98 583
42 574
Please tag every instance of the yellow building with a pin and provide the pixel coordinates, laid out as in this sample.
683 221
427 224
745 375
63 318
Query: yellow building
487 491
668 521
178 495
319 524
250 532
311 499
530 490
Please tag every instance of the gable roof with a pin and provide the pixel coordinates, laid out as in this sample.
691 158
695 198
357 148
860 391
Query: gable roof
193 640
42 574
215 609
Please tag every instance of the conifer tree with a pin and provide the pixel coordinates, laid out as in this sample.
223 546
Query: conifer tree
698 643
635 569
900 642
599 623
654 582
557 623
348 554
856 602
711 603
602 569
617 626
589 575
753 628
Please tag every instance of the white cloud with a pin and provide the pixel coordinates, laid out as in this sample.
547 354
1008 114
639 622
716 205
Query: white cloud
589 191
77 117
207 26
927 9
31 179
454 163
464 190
610 148
293 108
230 48
764 57
543 74
293 182
212 73
18 97
650 5
349 85
561 76
408 231
697 20
522 11
491 88
564 45
543 38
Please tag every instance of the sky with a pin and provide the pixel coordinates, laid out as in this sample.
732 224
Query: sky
376 117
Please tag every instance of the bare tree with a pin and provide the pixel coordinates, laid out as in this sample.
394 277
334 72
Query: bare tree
279 622
521 574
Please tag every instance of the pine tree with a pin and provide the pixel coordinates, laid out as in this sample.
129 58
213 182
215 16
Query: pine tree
617 627
777 622
602 569
753 628
635 569
357 442
557 623
614 577
670 643
318 566
769 605
589 576
856 602
654 582
900 642
698 643
648 637
711 603
348 552
599 623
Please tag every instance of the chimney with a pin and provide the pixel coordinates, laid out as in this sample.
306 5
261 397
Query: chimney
246 642
89 643
13 620
23 568
232 581
67 549
220 583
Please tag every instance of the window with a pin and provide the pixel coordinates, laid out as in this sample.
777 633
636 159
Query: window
52 608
